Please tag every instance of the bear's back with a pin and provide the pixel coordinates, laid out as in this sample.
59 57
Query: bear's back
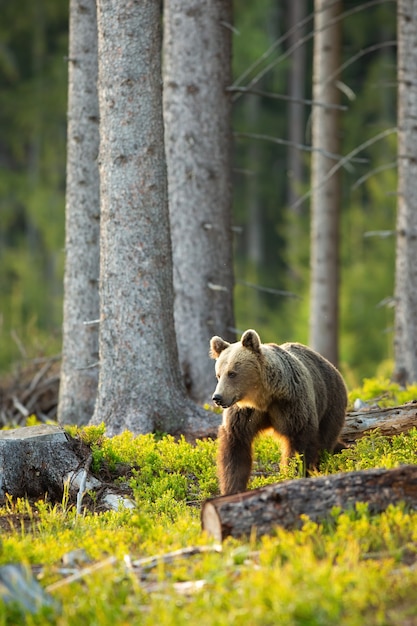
321 367
328 383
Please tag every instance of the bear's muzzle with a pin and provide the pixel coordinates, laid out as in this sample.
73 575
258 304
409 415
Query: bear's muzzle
218 400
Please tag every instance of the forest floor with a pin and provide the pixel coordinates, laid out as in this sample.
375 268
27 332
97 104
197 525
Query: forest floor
153 564
30 389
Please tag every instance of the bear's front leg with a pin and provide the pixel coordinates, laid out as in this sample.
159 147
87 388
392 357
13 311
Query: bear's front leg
308 452
297 433
234 459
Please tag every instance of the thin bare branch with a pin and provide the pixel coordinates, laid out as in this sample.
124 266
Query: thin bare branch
376 170
18 343
285 142
170 557
344 160
19 406
280 96
272 47
300 42
112 560
83 482
361 53
383 234
89 367
39 375
91 322
275 292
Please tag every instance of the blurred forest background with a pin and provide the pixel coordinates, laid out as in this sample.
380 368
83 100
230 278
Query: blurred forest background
272 225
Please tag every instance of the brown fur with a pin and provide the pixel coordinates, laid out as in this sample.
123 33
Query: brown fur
289 387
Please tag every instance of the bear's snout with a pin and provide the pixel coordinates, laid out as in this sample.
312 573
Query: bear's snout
218 399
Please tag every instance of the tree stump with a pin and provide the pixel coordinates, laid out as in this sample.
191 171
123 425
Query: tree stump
283 504
40 460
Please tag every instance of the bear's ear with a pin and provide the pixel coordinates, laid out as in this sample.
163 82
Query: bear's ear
251 341
217 345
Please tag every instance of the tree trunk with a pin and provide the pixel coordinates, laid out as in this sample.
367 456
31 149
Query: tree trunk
140 387
197 115
325 200
79 371
296 88
405 339
255 244
283 504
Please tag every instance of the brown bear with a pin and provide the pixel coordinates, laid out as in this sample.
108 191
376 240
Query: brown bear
288 387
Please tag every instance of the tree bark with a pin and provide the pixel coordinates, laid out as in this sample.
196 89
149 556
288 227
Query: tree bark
35 460
197 116
391 421
140 387
79 371
283 504
325 199
296 88
405 338
255 244
40 460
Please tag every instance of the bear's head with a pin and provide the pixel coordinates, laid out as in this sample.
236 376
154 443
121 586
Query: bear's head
238 371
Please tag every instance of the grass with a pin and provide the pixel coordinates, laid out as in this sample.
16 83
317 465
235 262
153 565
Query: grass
351 570
384 392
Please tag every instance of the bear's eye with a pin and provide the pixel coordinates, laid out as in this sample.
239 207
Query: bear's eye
231 374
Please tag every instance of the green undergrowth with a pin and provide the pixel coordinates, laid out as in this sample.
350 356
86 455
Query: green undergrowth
383 393
353 569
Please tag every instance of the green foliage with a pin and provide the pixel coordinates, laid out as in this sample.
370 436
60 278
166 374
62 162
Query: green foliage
384 392
354 568
161 466
368 204
374 450
33 79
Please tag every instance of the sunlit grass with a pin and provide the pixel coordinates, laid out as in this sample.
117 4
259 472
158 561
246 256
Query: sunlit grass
383 392
353 569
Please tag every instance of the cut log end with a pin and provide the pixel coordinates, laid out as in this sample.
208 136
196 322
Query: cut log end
211 522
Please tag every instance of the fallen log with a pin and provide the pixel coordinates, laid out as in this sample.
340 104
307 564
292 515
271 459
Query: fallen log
390 421
39 460
284 504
